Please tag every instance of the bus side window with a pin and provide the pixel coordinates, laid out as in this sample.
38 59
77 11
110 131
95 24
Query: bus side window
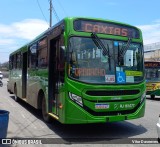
158 73
33 56
42 58
14 61
61 60
11 62
19 60
42 53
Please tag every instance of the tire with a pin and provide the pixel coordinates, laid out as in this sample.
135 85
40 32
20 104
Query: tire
158 140
45 115
8 90
15 94
152 97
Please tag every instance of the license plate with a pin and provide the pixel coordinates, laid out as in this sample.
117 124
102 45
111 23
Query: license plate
101 106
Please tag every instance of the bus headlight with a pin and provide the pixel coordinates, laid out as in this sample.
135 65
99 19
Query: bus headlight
76 98
143 97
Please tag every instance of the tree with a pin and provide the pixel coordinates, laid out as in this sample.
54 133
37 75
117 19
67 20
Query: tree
4 66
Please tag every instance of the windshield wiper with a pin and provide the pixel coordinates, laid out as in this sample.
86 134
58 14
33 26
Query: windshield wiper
124 48
123 51
100 44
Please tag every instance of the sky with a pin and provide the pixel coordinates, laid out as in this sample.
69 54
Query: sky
22 20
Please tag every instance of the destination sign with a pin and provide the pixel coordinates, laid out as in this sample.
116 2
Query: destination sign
152 64
89 72
106 28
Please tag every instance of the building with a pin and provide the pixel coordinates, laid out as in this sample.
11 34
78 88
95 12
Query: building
152 51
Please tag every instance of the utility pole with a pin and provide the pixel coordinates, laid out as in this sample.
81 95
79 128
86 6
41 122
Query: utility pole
50 24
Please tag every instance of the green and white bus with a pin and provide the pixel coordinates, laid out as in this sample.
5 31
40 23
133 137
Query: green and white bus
152 69
82 70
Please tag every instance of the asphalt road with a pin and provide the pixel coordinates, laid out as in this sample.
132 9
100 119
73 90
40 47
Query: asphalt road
26 122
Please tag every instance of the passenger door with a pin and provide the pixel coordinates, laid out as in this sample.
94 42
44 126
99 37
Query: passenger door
56 73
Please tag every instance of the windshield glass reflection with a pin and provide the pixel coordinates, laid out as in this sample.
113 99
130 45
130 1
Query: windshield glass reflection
88 62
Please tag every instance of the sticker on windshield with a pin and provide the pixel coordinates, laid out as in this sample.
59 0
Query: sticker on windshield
115 43
133 73
121 77
110 78
130 79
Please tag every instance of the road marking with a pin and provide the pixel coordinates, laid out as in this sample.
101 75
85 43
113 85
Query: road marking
34 126
41 125
11 103
31 123
23 115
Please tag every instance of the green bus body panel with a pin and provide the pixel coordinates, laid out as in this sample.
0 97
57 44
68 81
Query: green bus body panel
120 107
154 92
76 114
15 79
79 116
37 80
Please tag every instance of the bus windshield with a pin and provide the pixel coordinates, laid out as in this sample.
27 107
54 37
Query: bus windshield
152 74
118 62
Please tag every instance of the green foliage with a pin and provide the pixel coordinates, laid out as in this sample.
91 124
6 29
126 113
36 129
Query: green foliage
4 66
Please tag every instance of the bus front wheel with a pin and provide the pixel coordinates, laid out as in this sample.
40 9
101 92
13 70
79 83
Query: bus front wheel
45 115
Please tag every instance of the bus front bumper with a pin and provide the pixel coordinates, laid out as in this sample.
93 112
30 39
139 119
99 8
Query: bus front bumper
77 115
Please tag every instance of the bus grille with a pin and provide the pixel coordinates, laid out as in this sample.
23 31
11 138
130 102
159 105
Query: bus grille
112 92
110 113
